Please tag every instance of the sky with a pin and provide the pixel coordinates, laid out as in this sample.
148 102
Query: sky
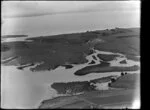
39 8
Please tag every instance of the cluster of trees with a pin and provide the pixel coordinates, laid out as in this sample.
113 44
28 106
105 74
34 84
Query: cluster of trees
123 73
114 79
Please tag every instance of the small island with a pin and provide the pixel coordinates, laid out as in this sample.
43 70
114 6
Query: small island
106 57
79 86
13 36
104 67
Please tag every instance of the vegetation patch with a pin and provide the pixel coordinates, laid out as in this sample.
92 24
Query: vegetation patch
123 62
78 86
107 57
127 81
73 48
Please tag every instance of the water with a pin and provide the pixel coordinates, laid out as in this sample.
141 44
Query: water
69 23
26 89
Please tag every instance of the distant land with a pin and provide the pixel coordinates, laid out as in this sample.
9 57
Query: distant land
13 36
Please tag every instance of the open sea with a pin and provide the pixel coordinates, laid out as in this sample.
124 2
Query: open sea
70 23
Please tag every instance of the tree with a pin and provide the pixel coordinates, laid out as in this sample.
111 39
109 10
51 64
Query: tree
122 73
109 84
125 72
113 79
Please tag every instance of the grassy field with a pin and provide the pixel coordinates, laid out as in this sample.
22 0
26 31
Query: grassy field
78 86
71 48
98 100
119 98
127 81
106 57
67 49
100 68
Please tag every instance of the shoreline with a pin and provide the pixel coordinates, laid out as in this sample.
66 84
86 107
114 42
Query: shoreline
72 52
73 32
113 91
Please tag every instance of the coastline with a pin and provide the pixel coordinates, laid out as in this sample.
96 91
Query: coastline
48 71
